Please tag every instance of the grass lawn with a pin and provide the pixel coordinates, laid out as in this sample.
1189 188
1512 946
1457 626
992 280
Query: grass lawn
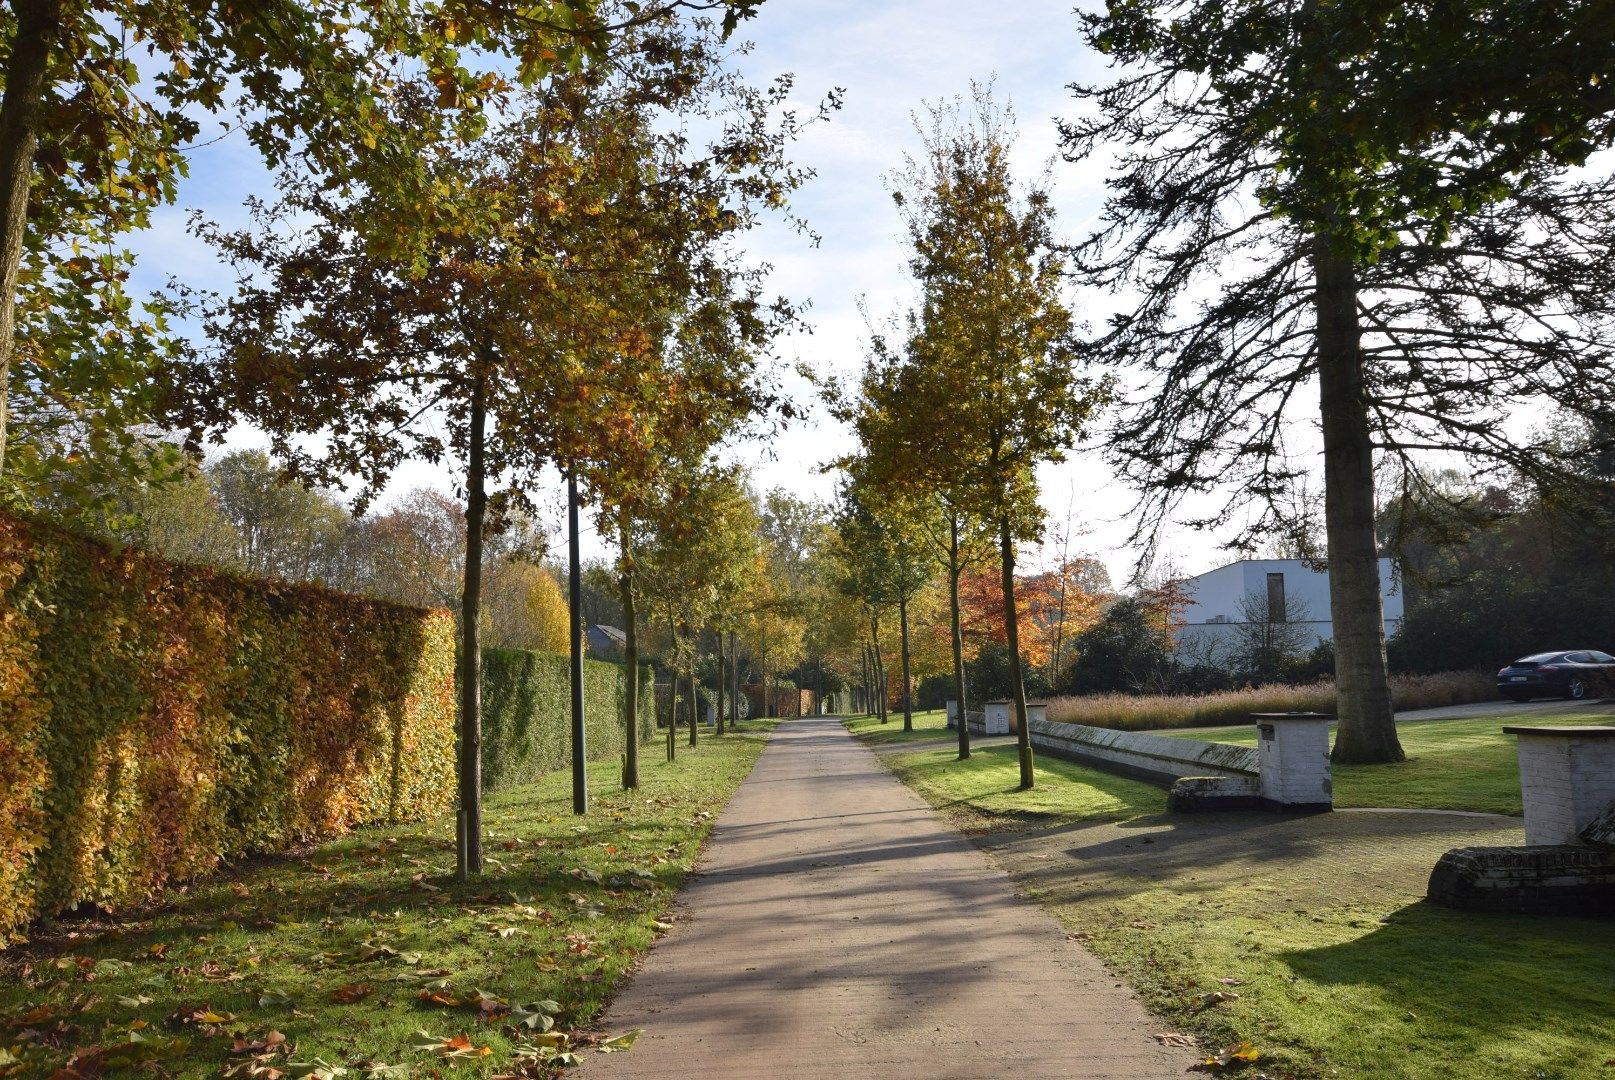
1451 764
927 725
1307 937
339 957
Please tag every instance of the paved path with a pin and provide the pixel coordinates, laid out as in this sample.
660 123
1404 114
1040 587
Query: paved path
838 928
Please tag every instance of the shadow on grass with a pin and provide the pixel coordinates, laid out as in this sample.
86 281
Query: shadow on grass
1494 986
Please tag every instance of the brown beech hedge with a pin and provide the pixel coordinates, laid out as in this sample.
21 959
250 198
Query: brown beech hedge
157 719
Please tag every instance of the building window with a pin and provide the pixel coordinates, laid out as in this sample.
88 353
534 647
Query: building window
1277 610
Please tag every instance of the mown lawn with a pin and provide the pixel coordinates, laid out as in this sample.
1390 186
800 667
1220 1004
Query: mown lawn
1451 764
366 955
1306 937
932 724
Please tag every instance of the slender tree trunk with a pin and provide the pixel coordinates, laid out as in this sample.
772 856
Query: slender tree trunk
695 695
958 635
580 778
880 668
868 704
630 658
38 24
908 704
734 687
476 507
820 709
1367 722
1012 632
673 691
723 682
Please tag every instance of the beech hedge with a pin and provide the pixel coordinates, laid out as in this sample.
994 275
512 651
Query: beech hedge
527 714
157 719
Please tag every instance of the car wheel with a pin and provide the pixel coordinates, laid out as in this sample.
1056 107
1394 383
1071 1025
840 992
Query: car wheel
1576 690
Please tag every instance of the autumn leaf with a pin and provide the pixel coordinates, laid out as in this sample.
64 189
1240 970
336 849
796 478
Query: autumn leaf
352 992
440 997
452 1047
1240 1053
1202 1002
625 1041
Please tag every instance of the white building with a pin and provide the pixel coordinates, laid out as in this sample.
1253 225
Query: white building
1217 600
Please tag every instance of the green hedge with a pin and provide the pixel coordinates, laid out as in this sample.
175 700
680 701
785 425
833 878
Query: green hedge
527 714
156 719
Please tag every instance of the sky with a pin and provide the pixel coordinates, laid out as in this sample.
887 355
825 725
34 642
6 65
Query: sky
890 57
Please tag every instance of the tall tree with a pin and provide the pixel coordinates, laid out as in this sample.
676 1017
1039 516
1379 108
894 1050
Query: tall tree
527 311
889 545
993 335
1369 202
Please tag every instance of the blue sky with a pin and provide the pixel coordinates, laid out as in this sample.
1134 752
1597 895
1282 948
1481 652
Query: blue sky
890 57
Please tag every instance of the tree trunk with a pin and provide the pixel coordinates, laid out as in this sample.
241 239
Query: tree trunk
476 506
880 668
580 779
1367 723
865 707
38 25
630 659
695 696
723 682
673 691
734 687
958 635
1012 632
908 704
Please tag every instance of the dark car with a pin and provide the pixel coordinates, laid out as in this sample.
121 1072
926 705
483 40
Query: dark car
1575 674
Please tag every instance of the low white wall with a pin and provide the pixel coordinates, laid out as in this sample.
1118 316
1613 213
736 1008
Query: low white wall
1157 757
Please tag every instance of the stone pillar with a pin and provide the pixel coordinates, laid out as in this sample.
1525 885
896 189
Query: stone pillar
1036 714
998 717
1567 778
953 713
1293 751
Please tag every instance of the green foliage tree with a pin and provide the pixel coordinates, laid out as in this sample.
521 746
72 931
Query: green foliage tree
993 336
1126 651
101 102
531 315
1375 200
697 553
892 559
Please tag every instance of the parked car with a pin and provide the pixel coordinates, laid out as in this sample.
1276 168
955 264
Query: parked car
1573 674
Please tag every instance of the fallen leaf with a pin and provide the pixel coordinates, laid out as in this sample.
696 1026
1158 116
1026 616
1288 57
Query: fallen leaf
1241 1053
352 992
1175 1038
1206 1001
625 1041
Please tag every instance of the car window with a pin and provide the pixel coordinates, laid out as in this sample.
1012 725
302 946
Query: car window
1579 657
1602 657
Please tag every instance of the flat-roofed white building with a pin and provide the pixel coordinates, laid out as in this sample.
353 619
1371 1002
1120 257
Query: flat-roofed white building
1217 600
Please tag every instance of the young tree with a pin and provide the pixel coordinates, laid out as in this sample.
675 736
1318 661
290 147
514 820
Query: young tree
995 336
530 309
1271 631
902 456
698 551
893 558
1368 202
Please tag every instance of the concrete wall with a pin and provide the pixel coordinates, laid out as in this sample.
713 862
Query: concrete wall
1156 758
